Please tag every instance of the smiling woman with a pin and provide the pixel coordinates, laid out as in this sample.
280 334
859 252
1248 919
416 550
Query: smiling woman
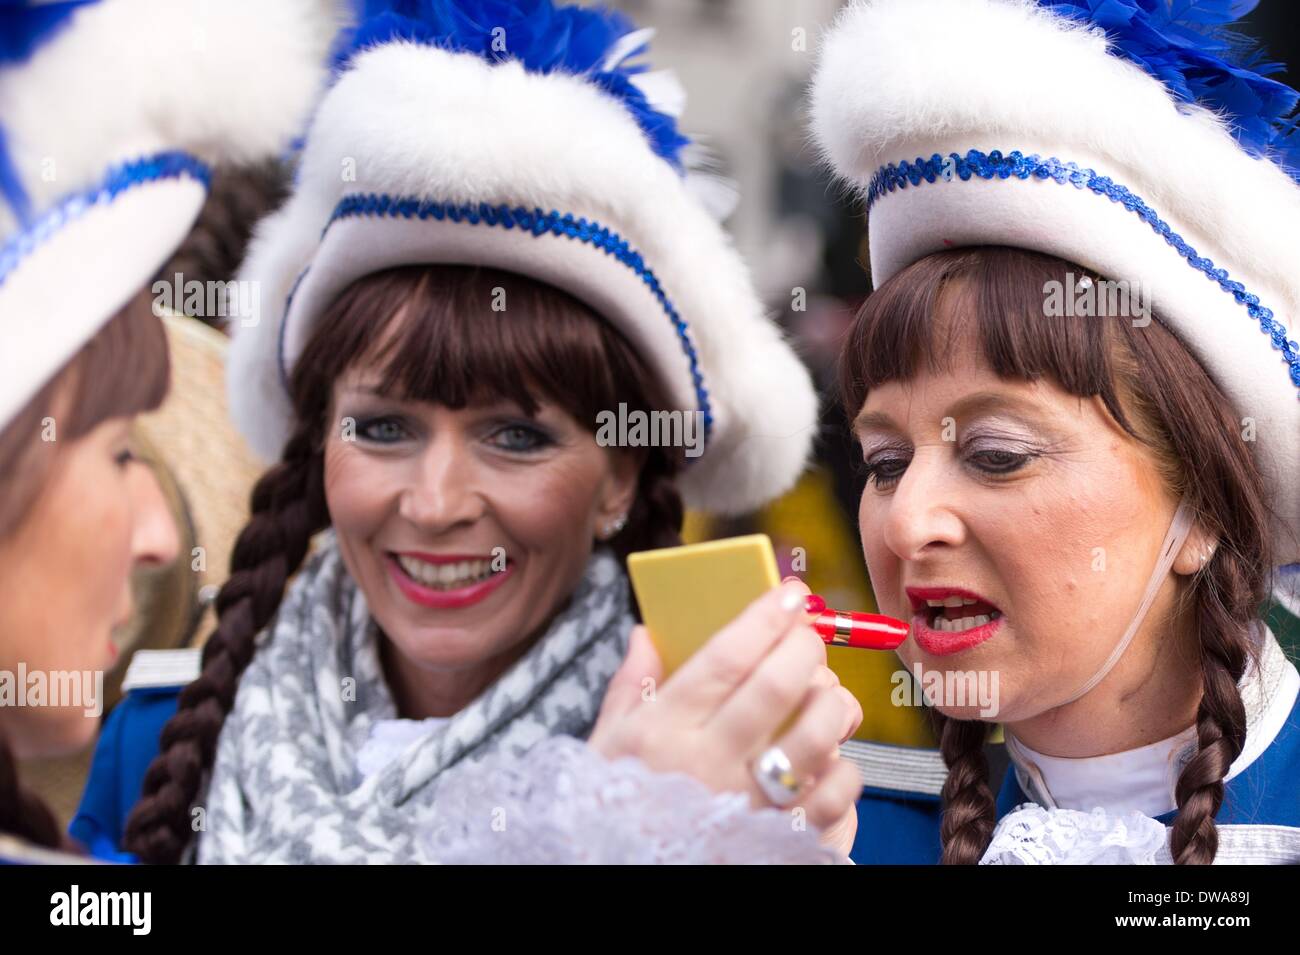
440 338
480 439
450 448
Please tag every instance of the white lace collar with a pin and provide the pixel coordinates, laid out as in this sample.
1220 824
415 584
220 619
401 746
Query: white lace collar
1143 779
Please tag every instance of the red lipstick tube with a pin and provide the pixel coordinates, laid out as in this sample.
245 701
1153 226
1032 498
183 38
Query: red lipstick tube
848 628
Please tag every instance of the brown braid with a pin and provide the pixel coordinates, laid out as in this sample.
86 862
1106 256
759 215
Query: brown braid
1220 716
240 196
655 519
969 809
288 508
22 813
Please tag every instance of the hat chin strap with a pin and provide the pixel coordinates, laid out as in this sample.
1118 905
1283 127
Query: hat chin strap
1179 528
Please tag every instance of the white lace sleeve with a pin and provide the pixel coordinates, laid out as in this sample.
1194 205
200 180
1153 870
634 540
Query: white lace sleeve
1032 835
564 803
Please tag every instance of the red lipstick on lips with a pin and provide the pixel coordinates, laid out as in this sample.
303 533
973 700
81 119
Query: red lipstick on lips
425 596
942 643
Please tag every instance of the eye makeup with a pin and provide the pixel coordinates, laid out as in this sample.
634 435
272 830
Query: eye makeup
992 446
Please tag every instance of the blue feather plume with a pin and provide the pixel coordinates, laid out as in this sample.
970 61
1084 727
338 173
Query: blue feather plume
25 25
543 37
1188 45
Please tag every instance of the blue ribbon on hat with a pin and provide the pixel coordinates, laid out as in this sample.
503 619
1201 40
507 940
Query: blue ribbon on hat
1016 165
537 223
169 164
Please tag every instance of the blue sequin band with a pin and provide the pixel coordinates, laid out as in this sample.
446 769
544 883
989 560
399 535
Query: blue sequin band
996 165
538 223
136 172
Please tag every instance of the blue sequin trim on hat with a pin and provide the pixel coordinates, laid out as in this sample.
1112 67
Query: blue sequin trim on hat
995 164
538 223
173 164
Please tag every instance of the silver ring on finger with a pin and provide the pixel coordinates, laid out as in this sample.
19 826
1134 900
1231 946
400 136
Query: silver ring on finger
775 776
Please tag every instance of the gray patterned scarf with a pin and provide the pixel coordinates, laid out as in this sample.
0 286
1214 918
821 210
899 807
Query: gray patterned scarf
285 786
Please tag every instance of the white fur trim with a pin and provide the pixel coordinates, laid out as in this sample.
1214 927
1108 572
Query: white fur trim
225 81
902 79
416 121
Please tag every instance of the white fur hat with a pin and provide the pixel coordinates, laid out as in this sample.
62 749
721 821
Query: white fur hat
514 134
111 112
1128 136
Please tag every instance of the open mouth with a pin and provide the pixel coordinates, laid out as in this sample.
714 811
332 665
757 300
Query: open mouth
954 614
948 619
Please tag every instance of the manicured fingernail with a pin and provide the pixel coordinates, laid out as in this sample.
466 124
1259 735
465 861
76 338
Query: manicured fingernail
814 604
786 580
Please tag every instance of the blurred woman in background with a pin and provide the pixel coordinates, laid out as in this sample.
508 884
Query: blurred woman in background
106 157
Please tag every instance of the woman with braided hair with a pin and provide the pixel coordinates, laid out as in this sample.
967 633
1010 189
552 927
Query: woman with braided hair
1080 450
489 366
